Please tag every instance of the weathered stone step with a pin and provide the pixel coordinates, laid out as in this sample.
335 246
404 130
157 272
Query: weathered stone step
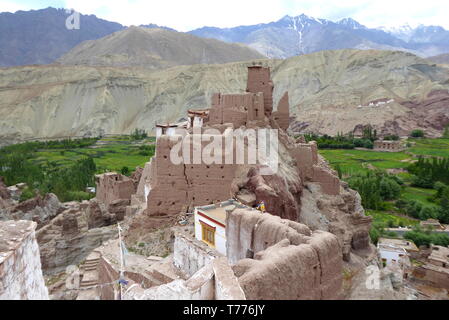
91 268
85 284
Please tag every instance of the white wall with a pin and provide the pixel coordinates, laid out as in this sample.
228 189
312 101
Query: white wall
220 233
158 132
171 132
197 122
21 274
390 255
147 191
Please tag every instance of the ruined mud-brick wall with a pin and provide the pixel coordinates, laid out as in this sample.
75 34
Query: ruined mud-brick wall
209 276
176 187
289 261
107 274
307 160
112 187
236 109
282 115
20 266
433 275
201 286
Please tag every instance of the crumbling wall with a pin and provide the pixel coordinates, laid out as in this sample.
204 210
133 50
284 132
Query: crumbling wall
259 80
293 262
433 275
177 187
282 115
227 286
236 109
200 286
330 184
107 274
20 266
168 193
113 186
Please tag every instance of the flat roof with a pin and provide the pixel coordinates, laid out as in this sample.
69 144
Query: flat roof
401 243
217 212
440 253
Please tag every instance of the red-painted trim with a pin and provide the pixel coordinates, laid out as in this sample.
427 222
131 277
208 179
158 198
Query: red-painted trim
208 225
210 219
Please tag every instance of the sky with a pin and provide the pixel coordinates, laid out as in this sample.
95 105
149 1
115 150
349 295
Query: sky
185 15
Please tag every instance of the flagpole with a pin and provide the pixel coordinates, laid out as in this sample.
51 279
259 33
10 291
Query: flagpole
121 260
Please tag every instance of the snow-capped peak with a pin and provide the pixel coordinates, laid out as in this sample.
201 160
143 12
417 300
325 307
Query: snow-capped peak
351 23
404 32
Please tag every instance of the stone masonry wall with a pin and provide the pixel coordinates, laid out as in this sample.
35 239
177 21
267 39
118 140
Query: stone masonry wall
20 266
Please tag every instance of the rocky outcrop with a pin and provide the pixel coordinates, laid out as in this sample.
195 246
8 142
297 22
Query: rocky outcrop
281 196
68 239
39 209
67 232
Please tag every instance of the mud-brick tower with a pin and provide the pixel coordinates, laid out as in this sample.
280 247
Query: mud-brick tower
259 80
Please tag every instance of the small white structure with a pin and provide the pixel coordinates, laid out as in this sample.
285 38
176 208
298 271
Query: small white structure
394 251
170 129
210 223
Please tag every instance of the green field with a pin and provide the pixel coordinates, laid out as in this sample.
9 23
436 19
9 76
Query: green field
353 162
109 154
430 147
356 161
392 219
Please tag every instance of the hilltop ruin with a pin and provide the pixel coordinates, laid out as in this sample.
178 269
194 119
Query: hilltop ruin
310 225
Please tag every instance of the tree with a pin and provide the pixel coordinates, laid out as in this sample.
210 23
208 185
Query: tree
125 171
417 134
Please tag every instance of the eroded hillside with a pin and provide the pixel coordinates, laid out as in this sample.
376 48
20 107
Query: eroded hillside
330 92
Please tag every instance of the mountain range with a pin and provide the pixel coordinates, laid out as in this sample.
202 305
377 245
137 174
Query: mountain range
40 36
291 36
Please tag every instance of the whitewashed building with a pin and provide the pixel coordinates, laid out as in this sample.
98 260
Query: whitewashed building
210 223
395 250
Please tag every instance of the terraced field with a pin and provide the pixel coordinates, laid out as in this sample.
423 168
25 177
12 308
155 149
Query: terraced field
109 154
351 162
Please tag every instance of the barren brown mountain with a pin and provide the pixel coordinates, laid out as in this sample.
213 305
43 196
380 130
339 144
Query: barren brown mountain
441 59
155 48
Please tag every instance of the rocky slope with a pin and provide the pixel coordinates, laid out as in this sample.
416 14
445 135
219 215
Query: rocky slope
330 92
155 48
441 59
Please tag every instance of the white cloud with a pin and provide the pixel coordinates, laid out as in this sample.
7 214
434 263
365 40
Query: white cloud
9 6
185 15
